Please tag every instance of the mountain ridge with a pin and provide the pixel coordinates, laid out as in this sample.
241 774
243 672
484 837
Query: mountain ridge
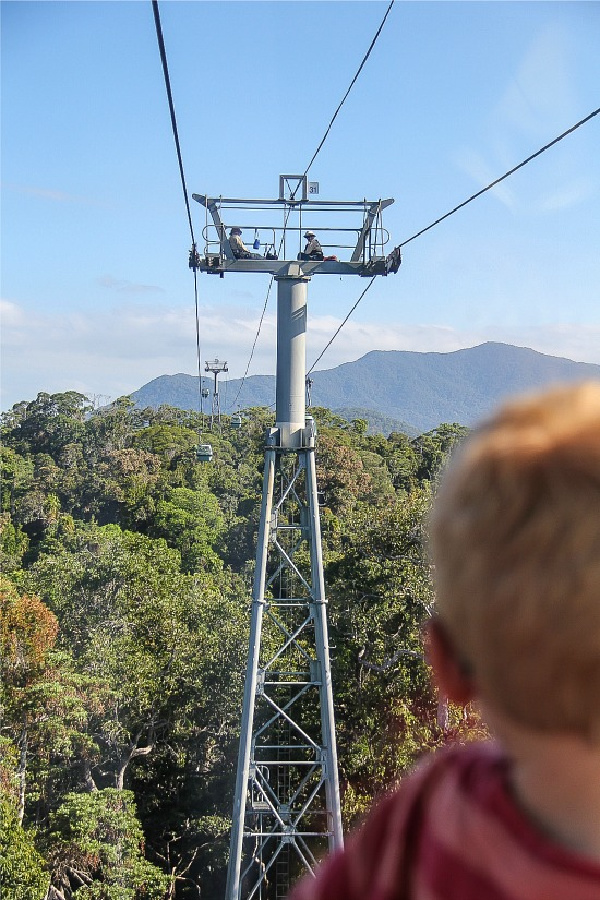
417 389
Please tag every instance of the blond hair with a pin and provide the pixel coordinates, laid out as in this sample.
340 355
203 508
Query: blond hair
515 547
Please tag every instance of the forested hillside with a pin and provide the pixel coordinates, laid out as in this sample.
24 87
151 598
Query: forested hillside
417 389
124 615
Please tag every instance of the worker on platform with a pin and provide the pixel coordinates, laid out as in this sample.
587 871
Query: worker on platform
313 249
239 250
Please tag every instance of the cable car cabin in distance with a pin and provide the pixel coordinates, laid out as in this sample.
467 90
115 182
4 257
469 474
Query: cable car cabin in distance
355 245
204 453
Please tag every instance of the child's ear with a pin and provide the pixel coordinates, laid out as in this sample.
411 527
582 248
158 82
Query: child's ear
453 681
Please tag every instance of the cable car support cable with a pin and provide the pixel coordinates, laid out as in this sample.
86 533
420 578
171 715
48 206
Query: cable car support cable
502 177
306 171
394 256
163 58
352 83
330 342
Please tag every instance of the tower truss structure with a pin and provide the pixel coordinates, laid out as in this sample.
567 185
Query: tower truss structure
287 805
286 811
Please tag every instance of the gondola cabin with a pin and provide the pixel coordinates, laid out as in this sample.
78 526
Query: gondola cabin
204 453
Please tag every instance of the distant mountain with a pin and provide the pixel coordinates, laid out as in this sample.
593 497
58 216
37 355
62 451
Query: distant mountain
420 390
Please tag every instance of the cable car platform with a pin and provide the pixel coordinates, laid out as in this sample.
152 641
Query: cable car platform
278 227
216 265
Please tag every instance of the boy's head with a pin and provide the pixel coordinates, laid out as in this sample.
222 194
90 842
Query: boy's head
515 545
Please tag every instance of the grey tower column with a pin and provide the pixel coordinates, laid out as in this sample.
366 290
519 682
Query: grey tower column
291 358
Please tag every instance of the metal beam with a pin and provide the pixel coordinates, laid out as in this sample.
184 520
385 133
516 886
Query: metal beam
374 210
286 812
213 264
291 358
206 201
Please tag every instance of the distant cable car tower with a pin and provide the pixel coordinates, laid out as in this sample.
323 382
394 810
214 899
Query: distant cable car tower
203 396
286 810
216 366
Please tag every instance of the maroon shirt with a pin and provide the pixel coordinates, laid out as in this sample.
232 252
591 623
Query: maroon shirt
453 832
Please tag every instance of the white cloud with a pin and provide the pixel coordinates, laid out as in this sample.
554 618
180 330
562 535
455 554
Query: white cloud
568 195
128 287
11 314
540 92
51 194
537 104
116 351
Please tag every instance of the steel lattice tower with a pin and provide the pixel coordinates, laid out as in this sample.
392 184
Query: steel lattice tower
286 811
216 366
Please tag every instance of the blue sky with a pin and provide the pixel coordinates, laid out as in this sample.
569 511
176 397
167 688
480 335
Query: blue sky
96 293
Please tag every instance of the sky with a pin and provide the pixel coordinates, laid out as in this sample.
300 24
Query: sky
96 292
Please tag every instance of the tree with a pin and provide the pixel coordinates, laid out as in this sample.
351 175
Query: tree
193 522
125 480
144 557
341 475
49 421
17 478
155 637
168 441
379 594
23 874
13 544
97 850
44 704
27 632
434 446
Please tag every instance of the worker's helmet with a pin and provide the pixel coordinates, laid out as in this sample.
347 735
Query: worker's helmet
309 234
236 230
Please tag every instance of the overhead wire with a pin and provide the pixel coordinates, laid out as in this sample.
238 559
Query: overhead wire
397 250
305 173
502 177
352 83
256 336
163 58
331 340
460 206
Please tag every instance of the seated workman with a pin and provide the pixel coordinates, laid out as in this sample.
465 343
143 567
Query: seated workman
313 249
239 250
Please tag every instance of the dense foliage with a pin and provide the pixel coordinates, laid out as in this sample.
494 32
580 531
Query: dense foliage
123 635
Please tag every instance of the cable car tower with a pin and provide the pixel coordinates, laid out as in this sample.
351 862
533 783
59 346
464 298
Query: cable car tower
216 366
286 810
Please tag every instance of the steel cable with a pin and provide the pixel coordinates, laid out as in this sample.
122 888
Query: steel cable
305 173
163 58
502 177
460 206
330 342
352 83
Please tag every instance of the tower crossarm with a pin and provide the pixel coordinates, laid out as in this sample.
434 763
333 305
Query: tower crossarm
284 220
